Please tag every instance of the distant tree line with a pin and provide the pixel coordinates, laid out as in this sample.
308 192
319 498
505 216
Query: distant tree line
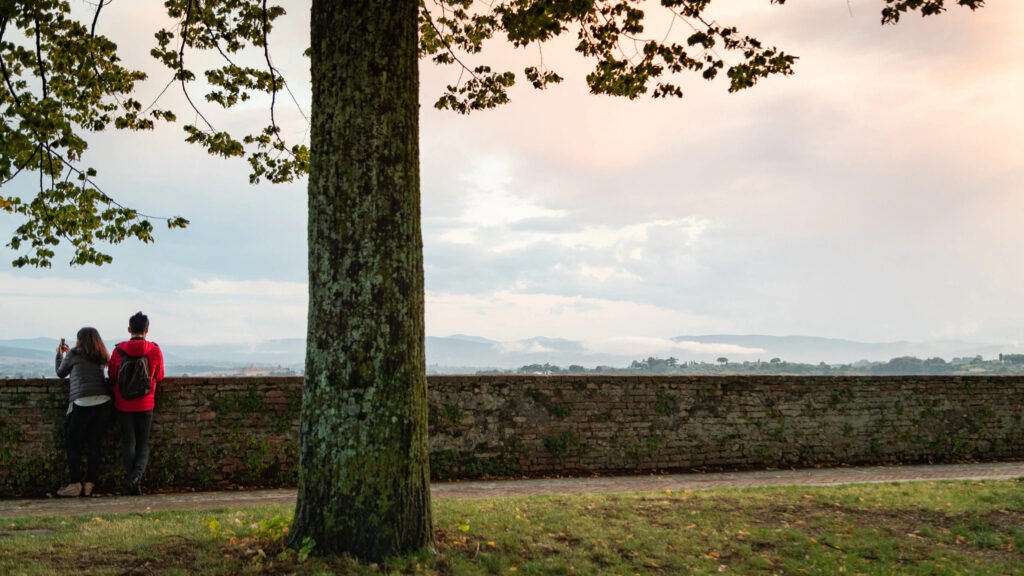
903 365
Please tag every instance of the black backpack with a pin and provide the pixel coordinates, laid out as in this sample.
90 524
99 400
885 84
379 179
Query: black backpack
133 379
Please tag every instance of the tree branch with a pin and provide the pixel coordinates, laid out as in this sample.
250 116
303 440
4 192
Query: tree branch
42 76
181 65
96 18
39 58
158 96
273 71
13 176
447 46
106 197
3 69
295 100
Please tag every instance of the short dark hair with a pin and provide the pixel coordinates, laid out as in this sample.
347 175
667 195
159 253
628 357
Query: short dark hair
138 324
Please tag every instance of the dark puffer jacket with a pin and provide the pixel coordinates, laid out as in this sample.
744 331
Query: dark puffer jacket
86 376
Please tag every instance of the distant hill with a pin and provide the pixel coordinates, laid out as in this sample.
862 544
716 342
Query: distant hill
36 344
36 355
812 349
284 351
270 350
467 351
11 354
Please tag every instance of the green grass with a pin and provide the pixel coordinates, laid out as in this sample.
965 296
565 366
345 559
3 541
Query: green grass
940 528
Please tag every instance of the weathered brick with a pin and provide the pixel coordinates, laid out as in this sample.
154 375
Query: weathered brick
210 428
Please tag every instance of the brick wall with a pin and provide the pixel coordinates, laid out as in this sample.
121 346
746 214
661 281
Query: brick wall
206 433
244 431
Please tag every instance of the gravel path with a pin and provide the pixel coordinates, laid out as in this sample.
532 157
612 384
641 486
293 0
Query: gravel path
501 488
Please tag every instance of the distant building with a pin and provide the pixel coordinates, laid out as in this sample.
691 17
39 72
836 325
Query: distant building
1011 358
253 371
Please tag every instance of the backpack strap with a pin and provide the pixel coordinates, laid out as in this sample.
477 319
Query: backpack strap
117 348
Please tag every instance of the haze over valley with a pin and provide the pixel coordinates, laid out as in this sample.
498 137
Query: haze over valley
461 353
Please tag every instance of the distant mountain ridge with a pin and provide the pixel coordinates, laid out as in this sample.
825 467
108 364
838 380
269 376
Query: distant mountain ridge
12 353
38 344
814 349
469 352
811 349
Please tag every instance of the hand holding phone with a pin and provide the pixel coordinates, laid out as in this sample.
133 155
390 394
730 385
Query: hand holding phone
62 347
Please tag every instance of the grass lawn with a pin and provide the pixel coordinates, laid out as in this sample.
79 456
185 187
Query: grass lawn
915 528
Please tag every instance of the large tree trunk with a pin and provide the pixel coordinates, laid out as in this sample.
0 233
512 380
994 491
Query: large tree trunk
363 477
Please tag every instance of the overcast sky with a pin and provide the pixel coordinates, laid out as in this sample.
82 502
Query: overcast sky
876 195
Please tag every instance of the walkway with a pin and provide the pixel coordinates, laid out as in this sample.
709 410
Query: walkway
501 488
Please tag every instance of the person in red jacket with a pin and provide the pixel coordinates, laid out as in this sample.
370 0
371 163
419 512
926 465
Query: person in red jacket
136 415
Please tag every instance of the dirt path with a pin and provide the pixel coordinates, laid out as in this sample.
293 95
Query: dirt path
501 488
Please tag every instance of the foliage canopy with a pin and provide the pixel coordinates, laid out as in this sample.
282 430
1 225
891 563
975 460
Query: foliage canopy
62 81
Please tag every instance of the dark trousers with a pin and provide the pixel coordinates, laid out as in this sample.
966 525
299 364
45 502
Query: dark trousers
135 442
84 426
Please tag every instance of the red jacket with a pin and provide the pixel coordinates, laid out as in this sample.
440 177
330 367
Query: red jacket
137 347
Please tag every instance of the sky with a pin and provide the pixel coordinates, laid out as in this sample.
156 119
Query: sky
875 195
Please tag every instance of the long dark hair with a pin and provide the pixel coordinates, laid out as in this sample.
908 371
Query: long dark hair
91 346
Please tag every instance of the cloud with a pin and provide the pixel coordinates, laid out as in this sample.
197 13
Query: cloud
625 242
523 347
490 203
209 311
712 348
538 249
875 195
602 273
39 286
512 316
270 289
464 236
640 345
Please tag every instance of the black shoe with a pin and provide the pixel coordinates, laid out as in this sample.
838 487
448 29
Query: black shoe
133 488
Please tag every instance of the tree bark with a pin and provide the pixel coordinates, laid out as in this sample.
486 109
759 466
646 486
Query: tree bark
363 477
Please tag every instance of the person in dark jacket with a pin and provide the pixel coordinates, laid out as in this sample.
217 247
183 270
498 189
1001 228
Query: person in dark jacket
88 407
136 415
